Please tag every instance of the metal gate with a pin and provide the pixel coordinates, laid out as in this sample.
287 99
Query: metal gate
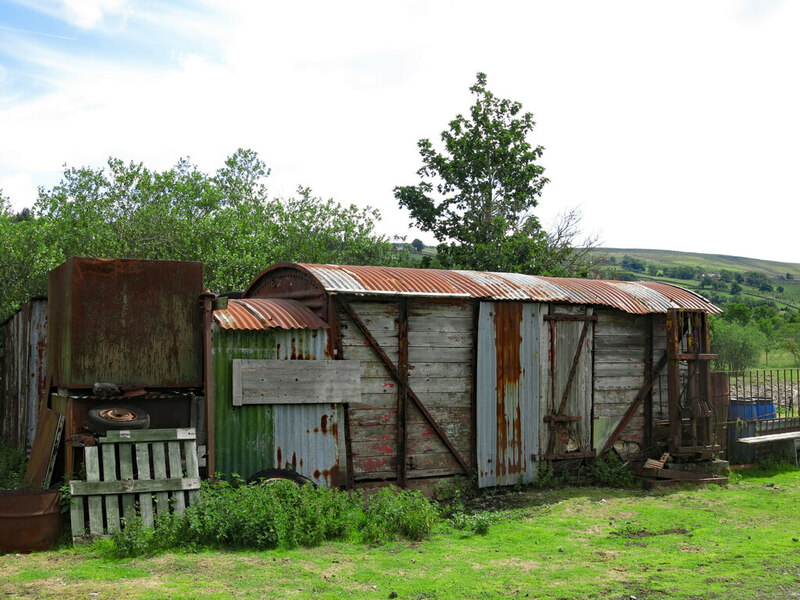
507 383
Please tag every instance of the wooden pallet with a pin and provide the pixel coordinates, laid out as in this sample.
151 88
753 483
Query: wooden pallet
146 472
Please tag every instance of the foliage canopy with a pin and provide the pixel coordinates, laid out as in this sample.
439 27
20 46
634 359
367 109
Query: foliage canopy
226 219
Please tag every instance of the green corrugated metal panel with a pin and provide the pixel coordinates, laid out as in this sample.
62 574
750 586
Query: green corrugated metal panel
244 435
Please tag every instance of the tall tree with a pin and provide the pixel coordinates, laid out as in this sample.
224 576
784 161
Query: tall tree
478 194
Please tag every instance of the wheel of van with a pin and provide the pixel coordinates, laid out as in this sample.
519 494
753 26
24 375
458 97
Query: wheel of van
101 419
269 475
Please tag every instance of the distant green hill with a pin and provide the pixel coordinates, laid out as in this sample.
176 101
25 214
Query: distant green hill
711 261
719 277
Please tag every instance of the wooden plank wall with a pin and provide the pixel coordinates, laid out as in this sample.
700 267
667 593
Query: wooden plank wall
619 371
440 372
440 367
373 423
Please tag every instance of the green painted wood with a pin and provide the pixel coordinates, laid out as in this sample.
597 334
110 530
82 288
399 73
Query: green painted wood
110 474
192 470
175 471
148 435
145 499
167 470
133 486
77 518
160 474
95 503
125 452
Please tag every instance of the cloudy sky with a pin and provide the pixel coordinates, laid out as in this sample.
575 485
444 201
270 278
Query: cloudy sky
670 125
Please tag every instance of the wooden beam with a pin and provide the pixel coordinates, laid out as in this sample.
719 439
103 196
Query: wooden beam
390 366
402 392
557 317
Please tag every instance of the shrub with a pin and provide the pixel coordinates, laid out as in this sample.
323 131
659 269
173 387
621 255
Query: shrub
278 514
392 513
610 471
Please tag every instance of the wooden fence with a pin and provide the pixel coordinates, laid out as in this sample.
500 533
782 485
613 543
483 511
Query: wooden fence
144 472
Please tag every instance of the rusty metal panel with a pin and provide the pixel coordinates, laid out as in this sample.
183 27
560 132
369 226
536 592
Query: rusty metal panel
24 373
561 344
125 321
254 314
292 280
307 440
245 436
507 382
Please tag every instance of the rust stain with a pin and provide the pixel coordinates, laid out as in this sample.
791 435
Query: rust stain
294 461
324 424
508 340
331 476
335 431
280 457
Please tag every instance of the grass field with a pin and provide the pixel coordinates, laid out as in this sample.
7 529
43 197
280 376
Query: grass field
734 542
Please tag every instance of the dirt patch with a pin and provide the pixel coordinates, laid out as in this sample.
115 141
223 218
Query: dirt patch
644 533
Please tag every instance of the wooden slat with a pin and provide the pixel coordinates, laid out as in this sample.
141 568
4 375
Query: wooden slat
76 517
125 452
176 471
143 470
110 474
160 475
95 503
135 486
149 435
192 470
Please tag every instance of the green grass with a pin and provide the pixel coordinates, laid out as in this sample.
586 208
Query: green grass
734 542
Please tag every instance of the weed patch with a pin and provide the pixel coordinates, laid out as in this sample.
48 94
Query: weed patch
230 515
12 468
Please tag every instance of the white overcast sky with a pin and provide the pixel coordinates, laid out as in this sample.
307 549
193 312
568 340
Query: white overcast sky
670 125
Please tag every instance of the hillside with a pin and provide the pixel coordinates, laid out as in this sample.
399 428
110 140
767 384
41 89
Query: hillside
719 277
714 262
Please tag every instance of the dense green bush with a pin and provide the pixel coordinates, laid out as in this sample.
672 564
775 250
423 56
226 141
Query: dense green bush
610 471
393 513
279 515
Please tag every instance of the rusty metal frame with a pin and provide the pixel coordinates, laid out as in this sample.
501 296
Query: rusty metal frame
403 383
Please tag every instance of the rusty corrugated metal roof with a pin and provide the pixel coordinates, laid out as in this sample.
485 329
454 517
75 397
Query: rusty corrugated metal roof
628 296
255 314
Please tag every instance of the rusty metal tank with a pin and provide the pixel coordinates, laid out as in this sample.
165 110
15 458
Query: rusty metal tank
29 519
125 321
